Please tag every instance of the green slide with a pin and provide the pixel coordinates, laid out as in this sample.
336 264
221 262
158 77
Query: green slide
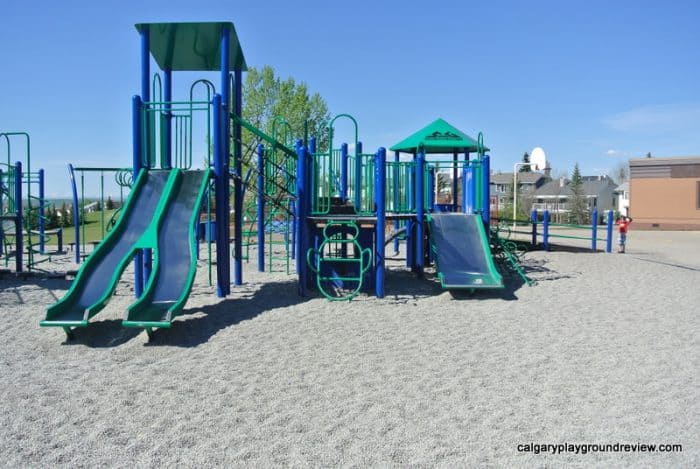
463 255
175 256
99 274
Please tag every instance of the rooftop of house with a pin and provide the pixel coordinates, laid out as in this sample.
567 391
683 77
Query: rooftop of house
523 178
592 185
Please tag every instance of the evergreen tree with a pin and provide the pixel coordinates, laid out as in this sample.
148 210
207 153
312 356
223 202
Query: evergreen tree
526 168
577 201
109 204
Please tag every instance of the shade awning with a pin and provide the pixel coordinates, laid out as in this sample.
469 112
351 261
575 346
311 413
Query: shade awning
438 137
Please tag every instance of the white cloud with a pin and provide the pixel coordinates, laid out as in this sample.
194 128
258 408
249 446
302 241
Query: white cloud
617 153
656 119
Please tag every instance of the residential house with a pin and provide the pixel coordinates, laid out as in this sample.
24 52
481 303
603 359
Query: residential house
555 196
501 187
665 193
622 198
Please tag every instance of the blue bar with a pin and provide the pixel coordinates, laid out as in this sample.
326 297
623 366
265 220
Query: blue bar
545 230
609 229
470 189
431 192
302 196
297 208
344 172
395 189
19 241
485 200
455 174
221 180
168 124
358 177
137 161
261 208
594 229
420 211
76 215
380 201
533 220
42 207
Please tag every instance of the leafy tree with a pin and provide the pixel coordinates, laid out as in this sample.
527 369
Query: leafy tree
579 206
526 168
109 204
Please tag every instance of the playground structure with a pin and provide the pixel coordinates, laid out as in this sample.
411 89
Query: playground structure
329 209
22 209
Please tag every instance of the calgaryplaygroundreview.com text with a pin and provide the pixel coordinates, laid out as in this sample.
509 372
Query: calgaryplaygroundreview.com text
586 448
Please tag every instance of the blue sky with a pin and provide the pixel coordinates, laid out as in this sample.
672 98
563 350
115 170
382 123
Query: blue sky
593 82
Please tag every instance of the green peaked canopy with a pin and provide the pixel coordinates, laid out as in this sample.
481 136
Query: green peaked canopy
192 46
438 137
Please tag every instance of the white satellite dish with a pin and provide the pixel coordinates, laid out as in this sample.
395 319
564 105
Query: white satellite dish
538 159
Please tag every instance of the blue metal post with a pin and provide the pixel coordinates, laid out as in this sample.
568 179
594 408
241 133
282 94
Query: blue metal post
431 192
465 169
225 196
594 229
455 174
237 184
2 235
297 208
358 177
396 189
533 220
485 200
343 172
302 197
167 123
380 201
261 208
137 151
144 258
312 196
19 238
42 208
470 190
545 230
420 211
76 215
609 232
220 183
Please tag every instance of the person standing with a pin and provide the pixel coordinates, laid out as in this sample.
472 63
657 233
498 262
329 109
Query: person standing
623 225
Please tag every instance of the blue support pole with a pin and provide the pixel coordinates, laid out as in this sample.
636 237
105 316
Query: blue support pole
395 189
533 220
167 123
297 208
485 201
609 231
470 190
465 169
220 183
76 215
19 238
2 235
313 197
344 172
380 201
137 151
237 184
455 174
261 208
42 208
302 196
225 196
358 177
420 211
144 257
545 230
594 229
431 192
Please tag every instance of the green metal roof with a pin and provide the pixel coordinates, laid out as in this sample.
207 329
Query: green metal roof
438 137
192 46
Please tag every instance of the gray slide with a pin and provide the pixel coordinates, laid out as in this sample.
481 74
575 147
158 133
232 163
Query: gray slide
99 274
463 255
176 261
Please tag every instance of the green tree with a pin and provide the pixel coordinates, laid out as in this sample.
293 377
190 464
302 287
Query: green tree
109 204
526 168
579 207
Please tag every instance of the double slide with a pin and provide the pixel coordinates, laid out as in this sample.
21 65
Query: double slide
463 255
160 214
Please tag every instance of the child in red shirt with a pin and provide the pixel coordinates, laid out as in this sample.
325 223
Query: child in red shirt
623 224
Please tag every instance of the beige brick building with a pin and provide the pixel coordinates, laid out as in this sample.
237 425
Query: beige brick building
665 193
